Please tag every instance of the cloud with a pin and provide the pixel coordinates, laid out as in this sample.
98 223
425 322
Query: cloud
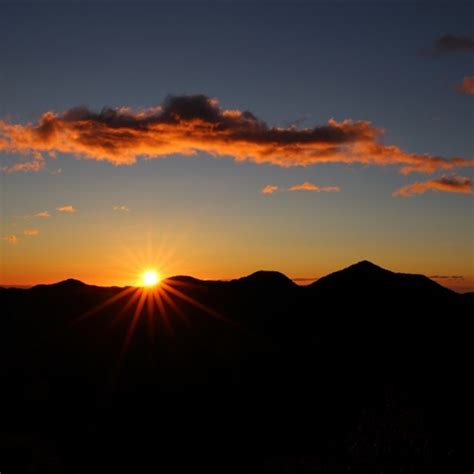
23 166
446 184
42 214
306 186
447 277
31 232
12 239
121 208
452 44
186 125
269 189
466 86
66 208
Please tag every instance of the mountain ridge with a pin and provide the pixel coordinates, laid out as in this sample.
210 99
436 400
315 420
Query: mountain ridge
362 270
256 360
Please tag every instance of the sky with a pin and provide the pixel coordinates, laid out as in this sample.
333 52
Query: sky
220 138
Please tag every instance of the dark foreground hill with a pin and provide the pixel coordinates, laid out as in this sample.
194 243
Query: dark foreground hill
359 372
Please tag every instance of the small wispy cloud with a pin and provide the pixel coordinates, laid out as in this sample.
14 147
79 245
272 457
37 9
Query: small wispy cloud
31 232
66 208
121 208
270 189
12 239
466 86
24 166
56 172
447 277
445 184
307 186
449 43
42 214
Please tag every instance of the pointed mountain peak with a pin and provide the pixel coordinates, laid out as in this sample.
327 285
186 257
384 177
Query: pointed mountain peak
365 266
360 274
366 277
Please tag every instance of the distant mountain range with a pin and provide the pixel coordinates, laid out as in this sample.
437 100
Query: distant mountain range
357 370
361 276
358 275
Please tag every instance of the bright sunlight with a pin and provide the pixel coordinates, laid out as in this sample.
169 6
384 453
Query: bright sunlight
150 278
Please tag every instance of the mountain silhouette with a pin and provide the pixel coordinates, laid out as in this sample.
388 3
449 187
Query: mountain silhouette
68 284
265 278
367 278
359 369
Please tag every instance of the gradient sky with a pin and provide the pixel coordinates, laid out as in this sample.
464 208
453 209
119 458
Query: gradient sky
293 66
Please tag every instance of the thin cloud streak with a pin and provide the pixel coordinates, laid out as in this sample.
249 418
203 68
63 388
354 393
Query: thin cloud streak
66 208
186 125
445 184
447 277
43 214
31 232
306 186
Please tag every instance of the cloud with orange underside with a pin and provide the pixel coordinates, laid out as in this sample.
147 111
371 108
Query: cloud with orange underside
186 125
31 232
42 214
269 189
445 184
306 186
66 208
466 86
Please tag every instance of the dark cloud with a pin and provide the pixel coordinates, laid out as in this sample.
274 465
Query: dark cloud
452 44
445 184
189 124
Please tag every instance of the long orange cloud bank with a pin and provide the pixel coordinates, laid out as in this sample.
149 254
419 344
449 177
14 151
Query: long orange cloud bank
189 124
446 184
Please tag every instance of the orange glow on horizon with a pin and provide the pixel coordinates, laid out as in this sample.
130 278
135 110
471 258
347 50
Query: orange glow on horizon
169 252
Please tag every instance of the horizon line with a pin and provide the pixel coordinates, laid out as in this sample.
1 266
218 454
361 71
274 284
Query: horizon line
299 281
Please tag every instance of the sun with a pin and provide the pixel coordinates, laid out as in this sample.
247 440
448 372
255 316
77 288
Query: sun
150 278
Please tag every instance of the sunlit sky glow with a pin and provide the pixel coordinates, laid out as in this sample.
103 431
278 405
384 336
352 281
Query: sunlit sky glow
358 144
